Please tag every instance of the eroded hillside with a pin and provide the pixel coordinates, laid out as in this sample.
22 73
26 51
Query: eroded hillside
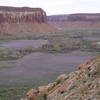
83 84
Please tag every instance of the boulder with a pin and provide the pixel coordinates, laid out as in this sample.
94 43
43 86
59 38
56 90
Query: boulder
32 94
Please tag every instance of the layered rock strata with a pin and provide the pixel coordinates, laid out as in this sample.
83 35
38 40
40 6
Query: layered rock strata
25 19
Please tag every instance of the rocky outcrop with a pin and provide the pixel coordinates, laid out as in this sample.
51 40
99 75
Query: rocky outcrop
90 62
25 19
22 15
83 84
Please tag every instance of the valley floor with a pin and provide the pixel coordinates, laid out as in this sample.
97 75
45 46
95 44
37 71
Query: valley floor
38 60
38 67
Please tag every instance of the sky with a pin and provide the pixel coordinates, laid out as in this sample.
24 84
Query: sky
55 7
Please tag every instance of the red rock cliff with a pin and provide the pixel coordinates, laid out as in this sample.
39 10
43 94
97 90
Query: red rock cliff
19 15
25 19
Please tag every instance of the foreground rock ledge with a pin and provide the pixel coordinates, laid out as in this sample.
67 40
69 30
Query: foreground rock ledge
83 84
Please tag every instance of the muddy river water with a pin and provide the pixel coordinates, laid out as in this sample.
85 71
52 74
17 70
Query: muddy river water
23 43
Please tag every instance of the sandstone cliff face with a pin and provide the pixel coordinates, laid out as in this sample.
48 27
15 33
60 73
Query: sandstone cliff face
83 84
14 19
22 15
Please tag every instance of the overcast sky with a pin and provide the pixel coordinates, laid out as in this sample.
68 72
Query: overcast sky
58 6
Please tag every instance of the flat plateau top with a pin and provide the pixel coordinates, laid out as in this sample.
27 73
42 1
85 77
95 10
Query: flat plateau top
7 8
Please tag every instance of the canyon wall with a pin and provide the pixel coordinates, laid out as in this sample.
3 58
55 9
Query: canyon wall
19 15
76 21
25 19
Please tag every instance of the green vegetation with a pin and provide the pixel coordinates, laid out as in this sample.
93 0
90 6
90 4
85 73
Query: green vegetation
13 54
13 92
4 67
4 41
62 45
42 96
61 42
69 32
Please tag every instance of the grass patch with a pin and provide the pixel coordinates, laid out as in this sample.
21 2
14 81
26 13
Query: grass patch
4 41
5 67
13 92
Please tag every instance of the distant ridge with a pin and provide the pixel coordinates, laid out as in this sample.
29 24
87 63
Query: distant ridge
76 21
